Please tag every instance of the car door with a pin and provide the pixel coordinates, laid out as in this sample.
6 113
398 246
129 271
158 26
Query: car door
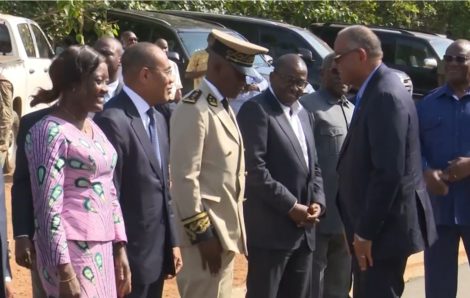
43 58
409 57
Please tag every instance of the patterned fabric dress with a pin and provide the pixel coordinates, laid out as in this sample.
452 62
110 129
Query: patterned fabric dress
77 213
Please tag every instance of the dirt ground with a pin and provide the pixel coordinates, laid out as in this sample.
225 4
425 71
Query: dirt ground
22 280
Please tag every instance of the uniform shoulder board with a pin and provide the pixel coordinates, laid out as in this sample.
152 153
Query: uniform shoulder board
211 100
193 97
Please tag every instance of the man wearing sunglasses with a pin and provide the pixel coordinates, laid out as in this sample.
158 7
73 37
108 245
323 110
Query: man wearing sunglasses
284 187
445 145
382 197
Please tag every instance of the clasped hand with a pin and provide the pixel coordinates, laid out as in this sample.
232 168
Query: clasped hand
304 215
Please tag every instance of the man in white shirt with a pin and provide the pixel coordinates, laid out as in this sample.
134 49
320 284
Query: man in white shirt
177 86
284 188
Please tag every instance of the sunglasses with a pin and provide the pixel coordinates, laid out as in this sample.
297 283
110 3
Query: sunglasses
339 56
298 83
458 59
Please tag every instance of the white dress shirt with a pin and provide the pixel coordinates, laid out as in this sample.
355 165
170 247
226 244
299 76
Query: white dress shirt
292 115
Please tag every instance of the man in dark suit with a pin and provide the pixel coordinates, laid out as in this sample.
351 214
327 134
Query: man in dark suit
140 136
382 197
284 186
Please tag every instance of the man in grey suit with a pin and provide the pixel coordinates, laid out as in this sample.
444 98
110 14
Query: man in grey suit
284 188
332 112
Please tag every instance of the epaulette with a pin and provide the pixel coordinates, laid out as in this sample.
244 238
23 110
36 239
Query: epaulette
211 100
193 97
198 227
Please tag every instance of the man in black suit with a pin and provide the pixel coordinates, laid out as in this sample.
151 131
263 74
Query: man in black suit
140 136
284 186
382 196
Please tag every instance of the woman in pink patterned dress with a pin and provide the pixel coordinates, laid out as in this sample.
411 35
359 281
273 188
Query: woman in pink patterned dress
77 213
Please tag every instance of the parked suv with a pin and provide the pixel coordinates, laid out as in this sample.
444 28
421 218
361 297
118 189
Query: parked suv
25 56
279 38
184 35
416 53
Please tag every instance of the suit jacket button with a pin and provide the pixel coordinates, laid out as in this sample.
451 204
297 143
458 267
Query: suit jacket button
246 173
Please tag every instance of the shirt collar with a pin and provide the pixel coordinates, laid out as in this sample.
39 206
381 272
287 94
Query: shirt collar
141 105
361 90
213 90
449 92
296 107
332 100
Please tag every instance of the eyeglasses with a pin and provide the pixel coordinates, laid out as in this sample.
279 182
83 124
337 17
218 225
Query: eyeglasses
458 59
167 72
298 83
339 56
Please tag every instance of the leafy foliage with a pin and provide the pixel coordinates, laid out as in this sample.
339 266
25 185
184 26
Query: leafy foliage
84 20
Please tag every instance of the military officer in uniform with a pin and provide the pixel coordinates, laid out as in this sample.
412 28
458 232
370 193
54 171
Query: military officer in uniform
208 171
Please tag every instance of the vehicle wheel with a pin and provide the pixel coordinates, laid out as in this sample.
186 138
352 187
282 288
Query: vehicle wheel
10 159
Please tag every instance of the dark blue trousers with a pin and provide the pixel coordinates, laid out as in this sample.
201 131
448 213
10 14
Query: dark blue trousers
441 261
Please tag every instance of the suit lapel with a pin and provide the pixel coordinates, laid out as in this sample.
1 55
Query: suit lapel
141 133
286 127
362 108
308 132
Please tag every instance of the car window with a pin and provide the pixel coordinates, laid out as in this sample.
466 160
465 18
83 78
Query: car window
440 46
411 53
279 42
388 48
27 40
322 49
42 44
197 40
5 41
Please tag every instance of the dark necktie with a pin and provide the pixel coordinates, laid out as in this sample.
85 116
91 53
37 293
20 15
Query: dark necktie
153 134
225 104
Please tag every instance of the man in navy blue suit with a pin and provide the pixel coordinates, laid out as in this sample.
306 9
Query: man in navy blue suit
139 133
382 197
284 187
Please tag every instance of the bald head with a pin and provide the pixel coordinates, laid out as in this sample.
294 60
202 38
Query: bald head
460 43
128 38
142 54
288 62
106 41
289 78
328 61
359 36
162 44
112 50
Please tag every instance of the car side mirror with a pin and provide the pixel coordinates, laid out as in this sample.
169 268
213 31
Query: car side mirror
173 56
268 58
430 63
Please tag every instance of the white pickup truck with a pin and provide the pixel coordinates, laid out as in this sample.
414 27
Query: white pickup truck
25 57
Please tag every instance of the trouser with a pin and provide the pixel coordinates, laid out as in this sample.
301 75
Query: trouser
384 279
195 282
331 269
279 273
441 261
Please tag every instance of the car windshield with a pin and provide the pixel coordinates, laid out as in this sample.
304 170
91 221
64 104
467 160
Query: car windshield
195 41
440 46
320 46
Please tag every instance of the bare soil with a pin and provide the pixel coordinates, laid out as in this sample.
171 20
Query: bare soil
22 280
